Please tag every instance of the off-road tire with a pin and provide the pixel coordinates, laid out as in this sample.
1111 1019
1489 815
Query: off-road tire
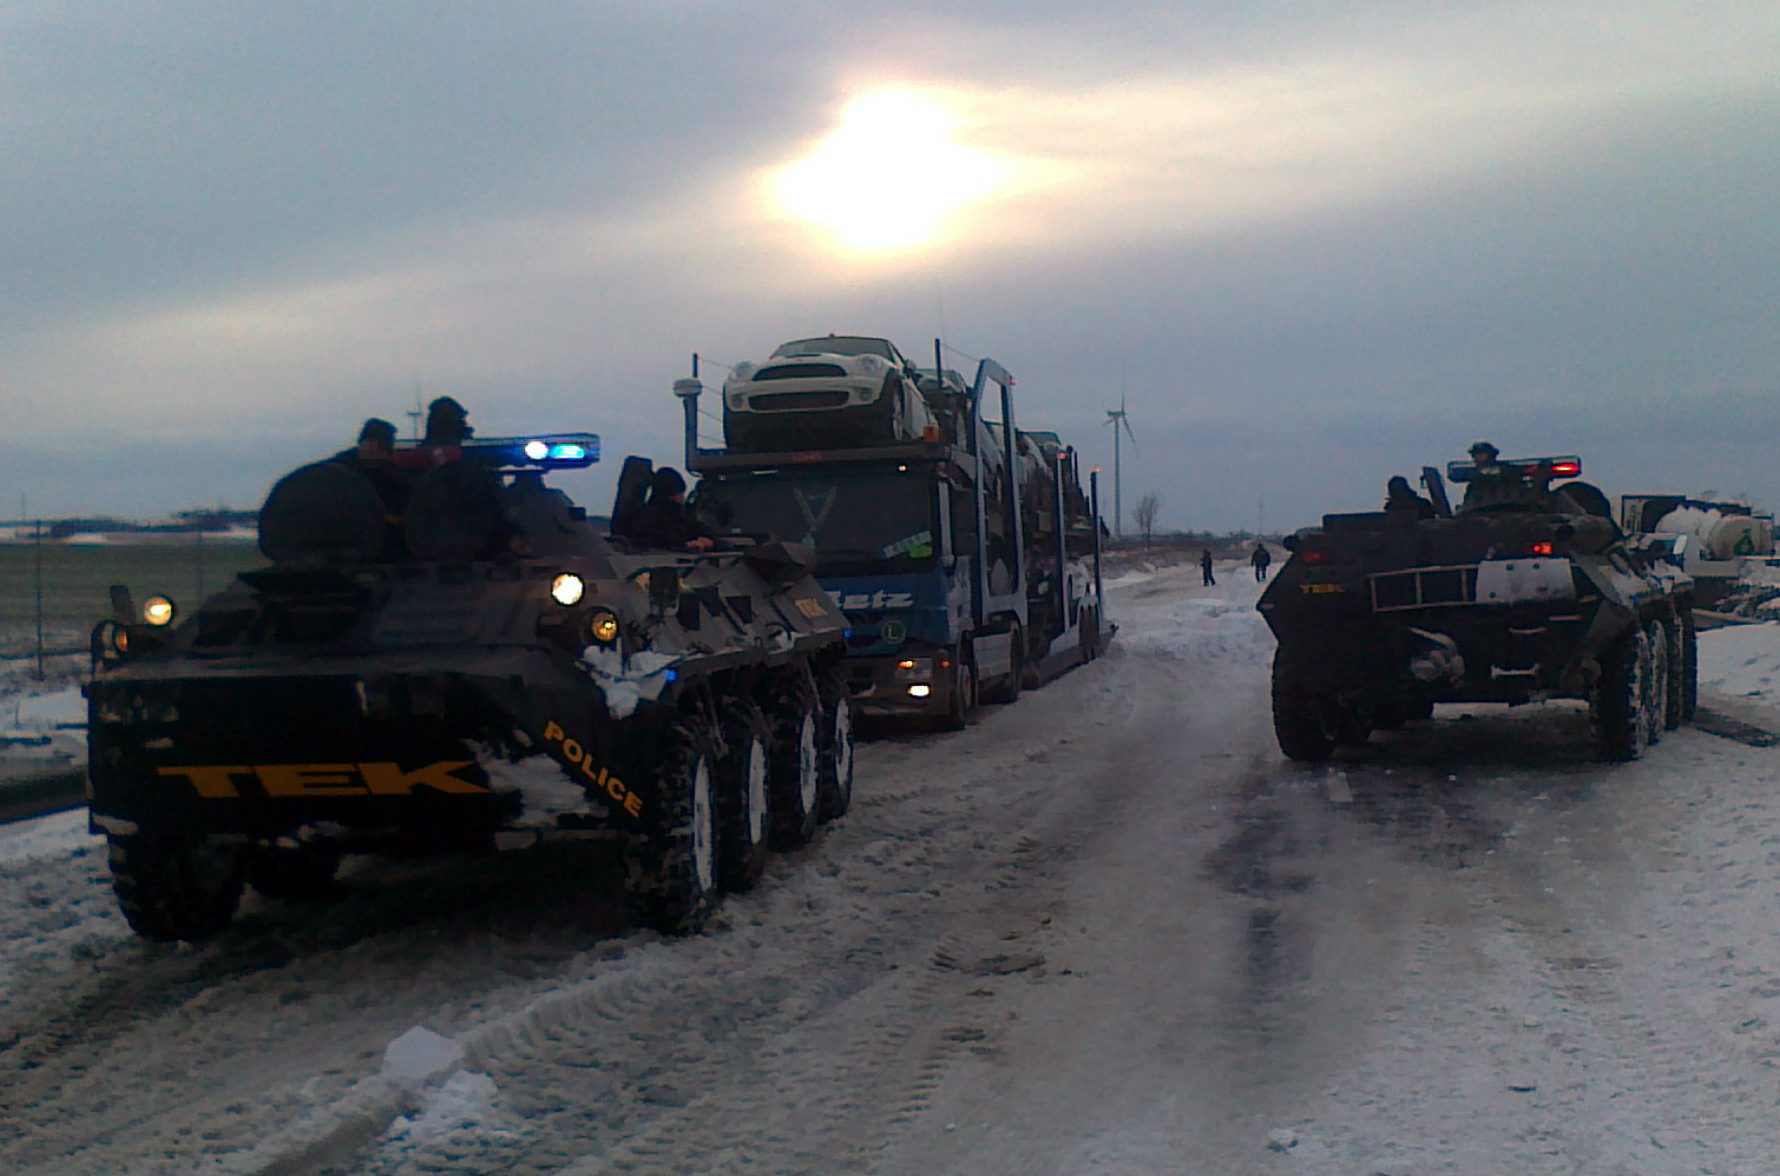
1299 717
1352 729
1616 709
303 872
175 888
794 770
1675 692
672 872
834 749
744 799
1690 666
1656 682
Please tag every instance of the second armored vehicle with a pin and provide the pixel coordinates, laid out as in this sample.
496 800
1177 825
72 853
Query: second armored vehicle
1526 592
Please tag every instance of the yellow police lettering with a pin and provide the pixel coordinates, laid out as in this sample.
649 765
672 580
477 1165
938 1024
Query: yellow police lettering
211 781
309 780
571 751
553 732
633 804
615 788
389 779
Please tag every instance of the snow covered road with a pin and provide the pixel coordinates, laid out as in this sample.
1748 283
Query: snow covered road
1107 929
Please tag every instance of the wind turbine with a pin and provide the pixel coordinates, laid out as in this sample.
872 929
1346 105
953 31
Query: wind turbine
1117 419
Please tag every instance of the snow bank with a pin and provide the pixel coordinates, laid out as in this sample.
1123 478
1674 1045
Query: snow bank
46 712
57 835
1742 661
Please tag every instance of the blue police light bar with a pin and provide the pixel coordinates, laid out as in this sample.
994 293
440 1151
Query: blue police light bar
552 451
1568 466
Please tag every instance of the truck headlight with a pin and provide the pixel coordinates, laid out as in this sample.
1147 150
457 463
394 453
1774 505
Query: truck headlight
603 627
566 589
158 611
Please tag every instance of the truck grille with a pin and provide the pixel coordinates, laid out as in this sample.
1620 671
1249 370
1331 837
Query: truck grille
1436 587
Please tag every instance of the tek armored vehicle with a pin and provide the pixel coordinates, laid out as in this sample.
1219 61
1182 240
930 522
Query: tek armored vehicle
487 668
1527 591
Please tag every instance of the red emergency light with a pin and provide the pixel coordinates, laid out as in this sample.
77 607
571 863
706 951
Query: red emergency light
1543 547
1566 467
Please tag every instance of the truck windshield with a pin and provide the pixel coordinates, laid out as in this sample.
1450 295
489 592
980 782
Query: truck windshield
858 523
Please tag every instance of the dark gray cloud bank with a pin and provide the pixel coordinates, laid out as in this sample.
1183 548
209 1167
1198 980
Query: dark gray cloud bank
1316 248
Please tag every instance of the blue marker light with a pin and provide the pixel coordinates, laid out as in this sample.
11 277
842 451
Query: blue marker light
671 675
561 451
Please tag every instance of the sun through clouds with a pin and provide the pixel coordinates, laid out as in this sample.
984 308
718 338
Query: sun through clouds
892 175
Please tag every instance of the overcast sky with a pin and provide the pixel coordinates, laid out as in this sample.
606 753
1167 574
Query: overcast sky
1317 244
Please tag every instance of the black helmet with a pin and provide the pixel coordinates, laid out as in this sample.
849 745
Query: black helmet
379 430
1486 448
447 421
666 483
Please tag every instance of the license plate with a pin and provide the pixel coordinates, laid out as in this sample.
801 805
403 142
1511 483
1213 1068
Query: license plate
1320 589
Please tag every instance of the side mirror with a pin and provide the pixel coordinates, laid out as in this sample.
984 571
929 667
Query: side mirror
1290 543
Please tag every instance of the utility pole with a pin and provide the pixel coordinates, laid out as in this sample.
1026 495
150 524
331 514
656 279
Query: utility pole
37 535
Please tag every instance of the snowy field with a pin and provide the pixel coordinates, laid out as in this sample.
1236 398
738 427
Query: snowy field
1106 929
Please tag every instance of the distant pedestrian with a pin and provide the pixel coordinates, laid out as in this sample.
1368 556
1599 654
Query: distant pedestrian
1261 559
1205 566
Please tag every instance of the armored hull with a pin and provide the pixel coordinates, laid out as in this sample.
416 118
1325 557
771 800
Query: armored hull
543 682
1382 615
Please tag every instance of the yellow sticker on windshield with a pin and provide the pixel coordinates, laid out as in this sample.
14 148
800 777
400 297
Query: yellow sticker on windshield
810 607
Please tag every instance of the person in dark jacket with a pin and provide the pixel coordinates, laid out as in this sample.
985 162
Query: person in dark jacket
1400 496
374 458
664 520
1205 565
1261 559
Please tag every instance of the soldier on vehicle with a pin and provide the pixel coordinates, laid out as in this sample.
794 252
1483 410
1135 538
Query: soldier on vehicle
447 428
1205 566
374 457
1491 481
664 520
1261 559
1399 496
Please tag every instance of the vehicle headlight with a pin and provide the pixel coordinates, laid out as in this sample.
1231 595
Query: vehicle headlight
158 611
603 627
567 589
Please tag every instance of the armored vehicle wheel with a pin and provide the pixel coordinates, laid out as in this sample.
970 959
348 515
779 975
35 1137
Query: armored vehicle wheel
1690 666
1675 686
962 699
794 771
1617 708
1300 717
744 802
1090 635
834 750
305 871
1353 726
672 871
175 888
1656 686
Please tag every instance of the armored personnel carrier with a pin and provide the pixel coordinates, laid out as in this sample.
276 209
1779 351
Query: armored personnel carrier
467 662
1527 591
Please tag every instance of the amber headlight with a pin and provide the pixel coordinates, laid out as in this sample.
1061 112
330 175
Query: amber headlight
566 589
158 611
603 627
